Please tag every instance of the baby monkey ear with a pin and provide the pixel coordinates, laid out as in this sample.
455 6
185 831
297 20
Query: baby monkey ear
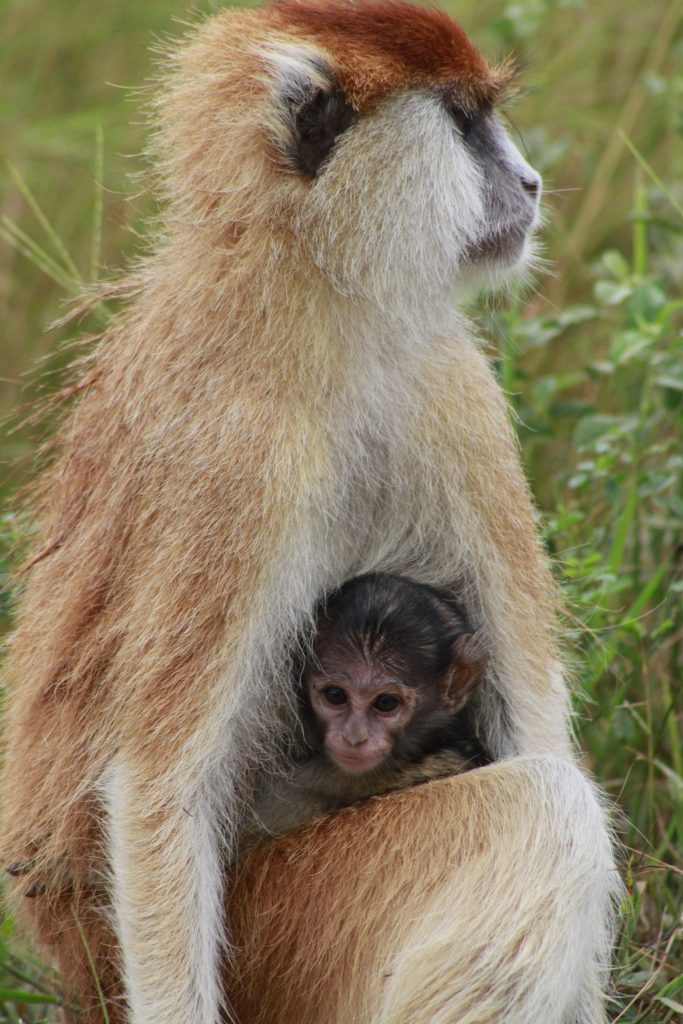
312 108
466 671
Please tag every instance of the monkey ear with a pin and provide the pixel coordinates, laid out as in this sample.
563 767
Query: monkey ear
468 665
313 108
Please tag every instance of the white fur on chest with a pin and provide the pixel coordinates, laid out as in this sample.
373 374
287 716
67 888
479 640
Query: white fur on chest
391 506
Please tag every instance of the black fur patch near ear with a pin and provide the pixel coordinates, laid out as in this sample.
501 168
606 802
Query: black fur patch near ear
319 118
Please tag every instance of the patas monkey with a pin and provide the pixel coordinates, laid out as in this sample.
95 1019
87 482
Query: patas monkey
290 399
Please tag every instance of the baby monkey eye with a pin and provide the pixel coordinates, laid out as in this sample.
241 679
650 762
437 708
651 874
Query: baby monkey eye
386 702
334 695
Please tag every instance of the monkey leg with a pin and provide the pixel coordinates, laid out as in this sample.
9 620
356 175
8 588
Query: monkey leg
486 898
167 879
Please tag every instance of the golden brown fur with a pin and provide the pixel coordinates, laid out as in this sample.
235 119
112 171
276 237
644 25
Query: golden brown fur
286 402
434 948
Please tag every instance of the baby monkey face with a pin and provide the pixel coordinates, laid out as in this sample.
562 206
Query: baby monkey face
360 712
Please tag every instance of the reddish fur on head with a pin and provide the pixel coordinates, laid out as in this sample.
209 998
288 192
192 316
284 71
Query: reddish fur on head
382 45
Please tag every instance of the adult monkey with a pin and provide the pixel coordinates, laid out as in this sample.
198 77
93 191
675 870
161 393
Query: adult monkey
289 400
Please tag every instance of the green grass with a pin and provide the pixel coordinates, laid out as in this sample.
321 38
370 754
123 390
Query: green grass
592 363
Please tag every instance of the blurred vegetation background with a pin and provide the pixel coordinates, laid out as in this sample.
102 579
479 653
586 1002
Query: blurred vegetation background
592 362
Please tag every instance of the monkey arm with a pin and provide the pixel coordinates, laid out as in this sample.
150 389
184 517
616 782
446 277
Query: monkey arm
484 897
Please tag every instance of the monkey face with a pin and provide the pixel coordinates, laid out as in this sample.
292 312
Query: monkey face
408 203
359 715
416 197
357 143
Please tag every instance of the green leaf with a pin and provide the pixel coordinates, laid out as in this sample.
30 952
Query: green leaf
670 1003
611 294
593 427
616 264
628 345
646 301
621 533
672 383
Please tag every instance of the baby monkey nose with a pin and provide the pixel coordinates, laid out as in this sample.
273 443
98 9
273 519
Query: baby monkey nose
355 737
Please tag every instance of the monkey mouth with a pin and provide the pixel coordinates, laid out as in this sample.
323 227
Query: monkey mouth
507 246
356 765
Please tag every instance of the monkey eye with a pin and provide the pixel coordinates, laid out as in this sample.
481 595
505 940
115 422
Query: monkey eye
386 702
334 695
462 121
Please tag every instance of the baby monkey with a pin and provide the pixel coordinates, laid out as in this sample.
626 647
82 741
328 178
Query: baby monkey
391 666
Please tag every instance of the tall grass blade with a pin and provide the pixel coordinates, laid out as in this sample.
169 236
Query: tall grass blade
28 195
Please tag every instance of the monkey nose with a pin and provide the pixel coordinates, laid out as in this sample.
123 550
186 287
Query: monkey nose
531 183
355 739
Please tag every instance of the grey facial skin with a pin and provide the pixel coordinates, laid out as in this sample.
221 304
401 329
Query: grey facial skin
512 190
